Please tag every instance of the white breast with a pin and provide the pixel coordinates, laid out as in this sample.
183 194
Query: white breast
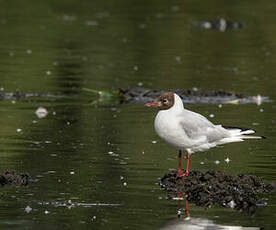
168 128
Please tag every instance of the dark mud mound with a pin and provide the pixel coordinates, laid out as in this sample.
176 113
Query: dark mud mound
12 178
189 96
214 187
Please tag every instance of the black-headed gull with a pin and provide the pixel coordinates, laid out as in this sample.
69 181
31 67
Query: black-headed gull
190 131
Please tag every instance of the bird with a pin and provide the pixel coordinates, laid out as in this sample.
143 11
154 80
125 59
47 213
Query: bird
189 131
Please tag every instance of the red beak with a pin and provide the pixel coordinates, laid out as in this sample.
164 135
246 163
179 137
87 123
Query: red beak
152 104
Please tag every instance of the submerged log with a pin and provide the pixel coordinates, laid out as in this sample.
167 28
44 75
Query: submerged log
143 95
190 96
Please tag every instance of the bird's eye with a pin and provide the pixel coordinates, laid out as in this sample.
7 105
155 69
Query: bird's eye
165 101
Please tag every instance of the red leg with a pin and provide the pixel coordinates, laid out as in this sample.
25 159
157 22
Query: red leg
188 161
187 208
179 212
180 173
179 196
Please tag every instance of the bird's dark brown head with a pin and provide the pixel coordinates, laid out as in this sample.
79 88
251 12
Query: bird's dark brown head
163 102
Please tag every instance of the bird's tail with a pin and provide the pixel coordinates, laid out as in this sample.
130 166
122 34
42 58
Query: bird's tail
242 133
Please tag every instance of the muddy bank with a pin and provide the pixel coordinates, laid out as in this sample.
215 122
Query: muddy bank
190 96
13 178
241 192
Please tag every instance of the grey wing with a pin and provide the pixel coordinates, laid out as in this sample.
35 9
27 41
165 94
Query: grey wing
197 127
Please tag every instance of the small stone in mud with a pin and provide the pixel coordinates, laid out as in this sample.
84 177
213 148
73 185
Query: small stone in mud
215 187
12 178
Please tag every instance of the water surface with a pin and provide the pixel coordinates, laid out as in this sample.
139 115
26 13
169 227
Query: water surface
107 157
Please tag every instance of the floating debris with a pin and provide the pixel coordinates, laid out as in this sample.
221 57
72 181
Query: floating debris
217 162
91 23
28 209
175 8
29 51
227 160
69 18
70 204
48 72
215 187
220 24
142 95
20 95
135 68
189 96
258 99
12 178
142 26
41 112
178 58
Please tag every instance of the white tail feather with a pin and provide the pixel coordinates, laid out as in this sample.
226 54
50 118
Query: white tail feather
229 140
238 135
249 131
250 137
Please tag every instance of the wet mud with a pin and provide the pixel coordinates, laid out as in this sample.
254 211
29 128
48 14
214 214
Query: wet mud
241 192
190 96
13 178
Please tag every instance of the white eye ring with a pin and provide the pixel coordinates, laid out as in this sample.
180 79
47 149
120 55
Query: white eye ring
165 101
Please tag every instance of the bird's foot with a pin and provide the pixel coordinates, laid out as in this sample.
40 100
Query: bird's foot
181 174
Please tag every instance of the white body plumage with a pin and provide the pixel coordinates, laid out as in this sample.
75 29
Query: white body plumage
190 131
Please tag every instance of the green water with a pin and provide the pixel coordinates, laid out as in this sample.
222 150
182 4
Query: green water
105 155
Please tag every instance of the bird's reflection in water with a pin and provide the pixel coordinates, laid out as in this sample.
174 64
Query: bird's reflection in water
180 196
186 222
